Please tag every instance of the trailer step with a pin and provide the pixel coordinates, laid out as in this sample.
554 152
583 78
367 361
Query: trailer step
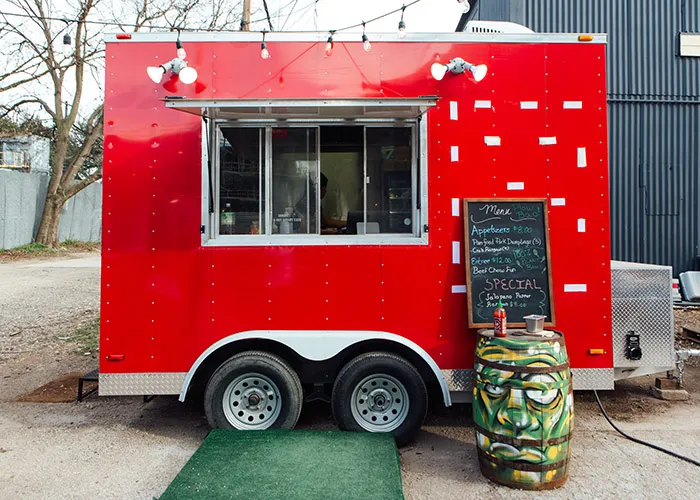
93 376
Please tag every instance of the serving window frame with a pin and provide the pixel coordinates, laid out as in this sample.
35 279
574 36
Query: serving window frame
211 134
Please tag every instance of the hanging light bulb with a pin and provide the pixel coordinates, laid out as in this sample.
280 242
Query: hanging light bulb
402 25
329 44
67 46
365 41
264 53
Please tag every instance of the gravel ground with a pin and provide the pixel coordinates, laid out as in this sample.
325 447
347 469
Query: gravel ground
125 448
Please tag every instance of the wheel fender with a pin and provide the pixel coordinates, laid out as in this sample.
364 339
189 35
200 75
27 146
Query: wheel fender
319 346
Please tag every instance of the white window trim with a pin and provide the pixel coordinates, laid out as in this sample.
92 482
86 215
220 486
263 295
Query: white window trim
419 164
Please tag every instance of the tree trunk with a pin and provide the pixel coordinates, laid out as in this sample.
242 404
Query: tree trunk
48 229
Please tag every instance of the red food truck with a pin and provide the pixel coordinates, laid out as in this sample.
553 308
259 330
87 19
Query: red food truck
287 228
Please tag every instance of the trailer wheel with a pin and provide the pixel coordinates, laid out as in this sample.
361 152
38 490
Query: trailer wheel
253 390
380 392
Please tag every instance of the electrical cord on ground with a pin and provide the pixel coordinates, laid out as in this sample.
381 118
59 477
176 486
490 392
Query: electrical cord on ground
639 441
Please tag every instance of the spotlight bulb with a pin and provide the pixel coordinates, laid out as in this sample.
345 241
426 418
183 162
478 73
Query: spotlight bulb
264 53
155 73
438 70
188 75
479 72
329 46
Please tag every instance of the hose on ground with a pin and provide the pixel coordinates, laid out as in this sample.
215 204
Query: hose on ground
639 441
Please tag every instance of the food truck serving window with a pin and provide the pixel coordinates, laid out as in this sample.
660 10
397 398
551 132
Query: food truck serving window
339 176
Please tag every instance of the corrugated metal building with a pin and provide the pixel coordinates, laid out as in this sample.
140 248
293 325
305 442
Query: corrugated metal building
654 116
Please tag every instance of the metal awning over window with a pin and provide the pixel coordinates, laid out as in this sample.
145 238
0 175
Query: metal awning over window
304 109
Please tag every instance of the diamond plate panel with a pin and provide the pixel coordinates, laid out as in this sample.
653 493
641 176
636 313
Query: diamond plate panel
593 378
140 384
642 302
458 380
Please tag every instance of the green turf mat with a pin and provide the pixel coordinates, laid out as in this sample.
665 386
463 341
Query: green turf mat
290 465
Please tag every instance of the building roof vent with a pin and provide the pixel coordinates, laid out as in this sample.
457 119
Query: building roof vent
495 27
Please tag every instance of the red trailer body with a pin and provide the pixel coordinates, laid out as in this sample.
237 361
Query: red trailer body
535 127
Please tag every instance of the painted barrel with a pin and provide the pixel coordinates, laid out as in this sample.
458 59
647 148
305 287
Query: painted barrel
523 408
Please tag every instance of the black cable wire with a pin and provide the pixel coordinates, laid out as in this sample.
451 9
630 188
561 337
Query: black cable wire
639 441
171 28
267 13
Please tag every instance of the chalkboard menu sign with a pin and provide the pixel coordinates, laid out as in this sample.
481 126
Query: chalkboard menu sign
507 256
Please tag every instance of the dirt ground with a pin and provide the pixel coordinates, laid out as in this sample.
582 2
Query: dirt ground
126 448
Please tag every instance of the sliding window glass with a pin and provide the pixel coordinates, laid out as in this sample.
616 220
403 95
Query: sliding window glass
390 180
241 181
295 176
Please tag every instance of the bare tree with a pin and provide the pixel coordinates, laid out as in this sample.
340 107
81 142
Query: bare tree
38 76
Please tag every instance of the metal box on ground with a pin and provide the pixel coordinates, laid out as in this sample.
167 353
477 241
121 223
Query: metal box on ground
642 314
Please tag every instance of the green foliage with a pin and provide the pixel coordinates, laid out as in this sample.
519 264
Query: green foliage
87 337
29 248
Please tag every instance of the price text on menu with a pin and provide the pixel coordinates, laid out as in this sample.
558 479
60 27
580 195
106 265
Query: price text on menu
507 257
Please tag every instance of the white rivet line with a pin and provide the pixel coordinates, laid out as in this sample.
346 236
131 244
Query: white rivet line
456 253
575 288
455 207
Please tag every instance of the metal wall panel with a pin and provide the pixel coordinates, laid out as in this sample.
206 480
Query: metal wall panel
654 162
642 41
654 108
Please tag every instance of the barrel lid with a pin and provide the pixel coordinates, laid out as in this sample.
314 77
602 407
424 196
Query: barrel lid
522 334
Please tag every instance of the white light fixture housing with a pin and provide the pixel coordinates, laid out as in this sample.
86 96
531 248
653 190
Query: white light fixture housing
178 66
457 66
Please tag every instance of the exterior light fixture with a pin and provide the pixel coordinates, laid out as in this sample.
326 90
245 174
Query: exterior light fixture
264 53
67 45
457 66
365 41
402 25
178 66
329 44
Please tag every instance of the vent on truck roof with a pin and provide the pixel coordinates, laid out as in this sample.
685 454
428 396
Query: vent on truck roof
495 27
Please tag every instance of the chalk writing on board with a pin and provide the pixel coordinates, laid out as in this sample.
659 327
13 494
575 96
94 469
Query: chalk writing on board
507 259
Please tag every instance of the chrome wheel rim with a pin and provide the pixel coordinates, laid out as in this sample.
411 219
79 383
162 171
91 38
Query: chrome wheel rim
252 402
379 403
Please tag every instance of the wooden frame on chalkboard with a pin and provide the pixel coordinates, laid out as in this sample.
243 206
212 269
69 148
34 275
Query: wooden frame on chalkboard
467 260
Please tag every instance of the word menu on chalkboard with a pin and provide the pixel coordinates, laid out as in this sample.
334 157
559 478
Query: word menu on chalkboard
507 256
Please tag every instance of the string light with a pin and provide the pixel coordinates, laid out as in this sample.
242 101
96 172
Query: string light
329 44
264 53
365 41
67 45
402 25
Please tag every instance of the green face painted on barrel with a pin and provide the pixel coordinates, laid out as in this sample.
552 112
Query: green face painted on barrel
523 406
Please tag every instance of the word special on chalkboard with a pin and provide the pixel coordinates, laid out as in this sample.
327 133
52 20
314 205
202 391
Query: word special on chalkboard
507 256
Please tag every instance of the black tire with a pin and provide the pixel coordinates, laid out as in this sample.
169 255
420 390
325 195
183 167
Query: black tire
386 367
260 368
